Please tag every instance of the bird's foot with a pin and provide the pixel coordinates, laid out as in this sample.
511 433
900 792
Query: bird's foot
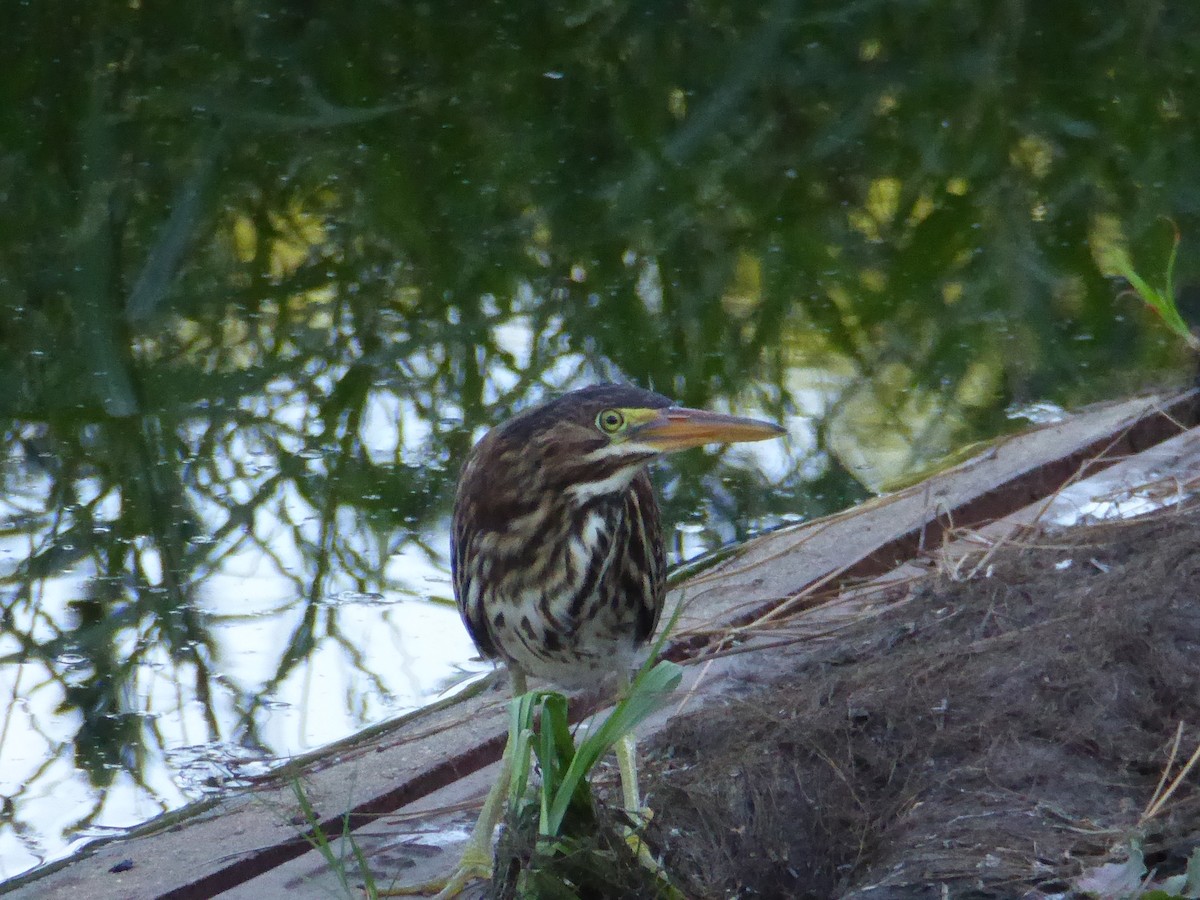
640 818
475 865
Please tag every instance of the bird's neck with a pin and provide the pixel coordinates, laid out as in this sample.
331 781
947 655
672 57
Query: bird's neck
612 484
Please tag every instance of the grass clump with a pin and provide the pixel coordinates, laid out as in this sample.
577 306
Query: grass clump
559 842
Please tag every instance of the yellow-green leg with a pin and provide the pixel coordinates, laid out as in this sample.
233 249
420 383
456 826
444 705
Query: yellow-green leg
627 763
631 794
639 815
476 861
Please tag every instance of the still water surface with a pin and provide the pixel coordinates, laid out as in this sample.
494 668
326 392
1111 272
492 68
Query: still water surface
264 277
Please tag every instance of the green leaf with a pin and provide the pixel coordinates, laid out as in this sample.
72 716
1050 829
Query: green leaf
645 696
556 751
520 736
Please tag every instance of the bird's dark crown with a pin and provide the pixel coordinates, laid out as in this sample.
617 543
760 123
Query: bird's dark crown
580 406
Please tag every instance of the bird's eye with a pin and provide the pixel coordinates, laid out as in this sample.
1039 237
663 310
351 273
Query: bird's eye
610 421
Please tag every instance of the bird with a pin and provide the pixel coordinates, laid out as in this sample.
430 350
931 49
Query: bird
557 555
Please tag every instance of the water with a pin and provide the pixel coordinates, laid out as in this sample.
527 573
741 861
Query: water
265 276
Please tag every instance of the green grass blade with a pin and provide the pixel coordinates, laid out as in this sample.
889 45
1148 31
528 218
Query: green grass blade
1162 302
645 696
319 841
1171 267
555 751
520 737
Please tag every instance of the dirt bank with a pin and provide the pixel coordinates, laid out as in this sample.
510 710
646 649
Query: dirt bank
991 738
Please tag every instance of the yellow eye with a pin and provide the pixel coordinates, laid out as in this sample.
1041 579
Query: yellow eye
610 421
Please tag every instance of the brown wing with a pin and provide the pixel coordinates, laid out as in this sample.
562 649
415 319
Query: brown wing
469 588
646 553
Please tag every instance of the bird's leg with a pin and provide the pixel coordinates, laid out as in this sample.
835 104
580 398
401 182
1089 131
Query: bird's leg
476 861
627 763
640 815
475 864
631 794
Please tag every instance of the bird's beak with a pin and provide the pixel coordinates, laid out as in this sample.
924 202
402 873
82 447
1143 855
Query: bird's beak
678 428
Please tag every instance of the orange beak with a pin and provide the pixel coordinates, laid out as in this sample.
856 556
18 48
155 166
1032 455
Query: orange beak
677 428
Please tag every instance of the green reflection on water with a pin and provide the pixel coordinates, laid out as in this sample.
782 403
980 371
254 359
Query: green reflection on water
265 275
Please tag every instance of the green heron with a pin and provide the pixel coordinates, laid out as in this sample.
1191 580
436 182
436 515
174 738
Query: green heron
557 551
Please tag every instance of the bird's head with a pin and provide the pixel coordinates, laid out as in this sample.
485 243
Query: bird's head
593 441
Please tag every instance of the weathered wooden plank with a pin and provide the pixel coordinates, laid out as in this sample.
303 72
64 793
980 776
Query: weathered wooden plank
1160 473
874 537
